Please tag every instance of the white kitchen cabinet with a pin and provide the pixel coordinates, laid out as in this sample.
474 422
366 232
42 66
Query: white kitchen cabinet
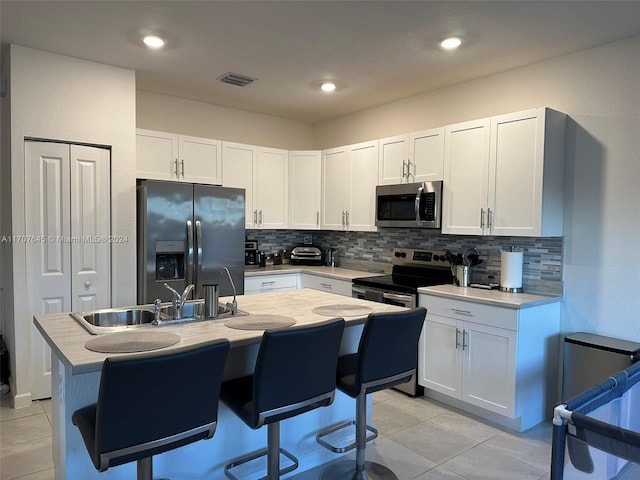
68 239
269 283
504 175
416 157
167 156
331 285
491 359
262 172
349 176
305 189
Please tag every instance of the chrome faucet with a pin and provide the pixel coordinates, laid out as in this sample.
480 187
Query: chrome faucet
232 306
178 300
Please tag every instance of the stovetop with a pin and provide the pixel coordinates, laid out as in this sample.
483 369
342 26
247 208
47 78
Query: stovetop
412 269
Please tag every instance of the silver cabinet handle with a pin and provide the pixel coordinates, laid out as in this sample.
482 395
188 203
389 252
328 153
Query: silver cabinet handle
326 285
175 167
260 217
482 218
343 222
460 311
272 282
404 164
255 217
465 339
318 217
489 218
182 168
347 218
457 338
408 169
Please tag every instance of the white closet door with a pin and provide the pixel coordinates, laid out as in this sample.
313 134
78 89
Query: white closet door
90 228
47 248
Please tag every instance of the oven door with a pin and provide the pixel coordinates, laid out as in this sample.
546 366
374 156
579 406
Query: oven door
384 296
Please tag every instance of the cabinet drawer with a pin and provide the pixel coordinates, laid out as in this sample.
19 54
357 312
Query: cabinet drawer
341 287
265 283
471 312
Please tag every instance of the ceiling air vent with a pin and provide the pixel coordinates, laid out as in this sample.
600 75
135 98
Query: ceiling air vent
236 79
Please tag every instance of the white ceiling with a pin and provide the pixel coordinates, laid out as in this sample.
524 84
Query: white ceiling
375 51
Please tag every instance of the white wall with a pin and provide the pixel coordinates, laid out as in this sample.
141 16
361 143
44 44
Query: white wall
62 98
599 90
176 115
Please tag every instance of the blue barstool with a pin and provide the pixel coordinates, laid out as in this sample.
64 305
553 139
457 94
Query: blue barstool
387 356
175 402
294 373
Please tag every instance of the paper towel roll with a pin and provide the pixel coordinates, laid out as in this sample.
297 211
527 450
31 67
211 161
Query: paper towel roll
511 271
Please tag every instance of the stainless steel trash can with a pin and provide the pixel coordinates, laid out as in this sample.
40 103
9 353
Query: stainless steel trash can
590 359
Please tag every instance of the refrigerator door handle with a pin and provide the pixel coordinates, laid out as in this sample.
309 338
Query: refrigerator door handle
198 257
189 252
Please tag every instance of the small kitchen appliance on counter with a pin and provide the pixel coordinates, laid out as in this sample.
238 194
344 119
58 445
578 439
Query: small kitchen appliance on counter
251 252
411 270
306 255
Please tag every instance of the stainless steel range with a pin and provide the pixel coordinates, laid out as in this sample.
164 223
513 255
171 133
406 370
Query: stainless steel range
411 270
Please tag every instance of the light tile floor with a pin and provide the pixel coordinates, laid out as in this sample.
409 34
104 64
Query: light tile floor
419 439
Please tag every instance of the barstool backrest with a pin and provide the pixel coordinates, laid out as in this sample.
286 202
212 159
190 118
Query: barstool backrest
389 345
151 403
296 370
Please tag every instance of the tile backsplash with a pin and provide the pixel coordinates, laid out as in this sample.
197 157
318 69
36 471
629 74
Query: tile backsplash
542 264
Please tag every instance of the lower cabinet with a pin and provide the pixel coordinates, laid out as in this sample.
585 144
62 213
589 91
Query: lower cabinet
332 285
269 283
502 360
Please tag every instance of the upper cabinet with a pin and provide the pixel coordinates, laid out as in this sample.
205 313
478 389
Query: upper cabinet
262 172
349 178
416 157
305 189
504 175
167 156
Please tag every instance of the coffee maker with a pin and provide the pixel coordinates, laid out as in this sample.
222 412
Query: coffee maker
251 252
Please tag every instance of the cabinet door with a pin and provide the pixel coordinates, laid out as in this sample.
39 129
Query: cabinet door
515 174
156 155
489 370
305 184
335 187
91 223
466 170
200 160
426 155
439 358
271 187
237 171
394 156
361 214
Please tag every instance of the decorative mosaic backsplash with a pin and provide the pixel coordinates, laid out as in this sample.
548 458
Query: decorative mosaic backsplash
542 264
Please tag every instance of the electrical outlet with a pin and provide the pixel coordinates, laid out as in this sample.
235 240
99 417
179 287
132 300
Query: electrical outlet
307 239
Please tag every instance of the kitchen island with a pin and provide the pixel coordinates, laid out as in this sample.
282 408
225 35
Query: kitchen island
76 376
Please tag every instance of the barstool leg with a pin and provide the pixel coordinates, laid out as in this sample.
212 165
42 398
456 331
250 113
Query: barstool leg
362 470
273 454
145 468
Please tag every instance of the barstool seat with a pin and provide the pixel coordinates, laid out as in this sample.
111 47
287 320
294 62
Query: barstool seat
387 355
294 373
152 403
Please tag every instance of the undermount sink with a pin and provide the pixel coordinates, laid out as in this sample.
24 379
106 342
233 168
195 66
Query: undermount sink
111 320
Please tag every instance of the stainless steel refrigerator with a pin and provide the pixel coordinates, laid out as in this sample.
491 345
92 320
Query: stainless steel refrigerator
187 234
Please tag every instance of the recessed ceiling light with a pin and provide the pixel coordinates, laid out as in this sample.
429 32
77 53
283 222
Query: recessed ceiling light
451 43
153 41
328 87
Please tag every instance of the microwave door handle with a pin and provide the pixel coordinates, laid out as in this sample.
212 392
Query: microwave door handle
417 204
198 255
189 252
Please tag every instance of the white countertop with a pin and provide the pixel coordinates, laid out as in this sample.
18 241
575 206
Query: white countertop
490 297
67 337
338 273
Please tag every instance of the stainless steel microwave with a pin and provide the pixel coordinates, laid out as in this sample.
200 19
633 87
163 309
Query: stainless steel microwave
417 205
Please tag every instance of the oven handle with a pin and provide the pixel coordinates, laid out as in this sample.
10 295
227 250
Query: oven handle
406 299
